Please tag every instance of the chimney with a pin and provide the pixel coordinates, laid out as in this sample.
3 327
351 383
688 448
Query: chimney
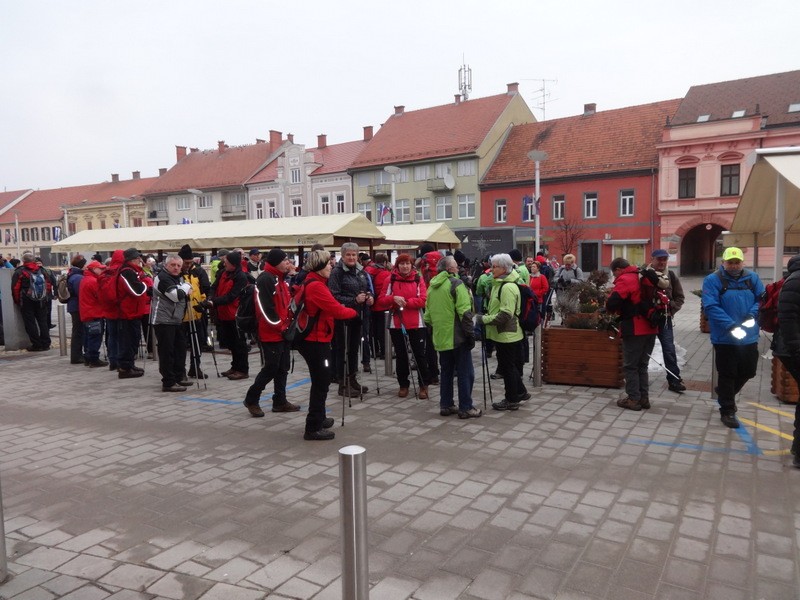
181 152
260 141
274 139
115 178
458 98
399 110
322 140
513 88
194 150
367 133
589 109
290 138
221 146
135 175
161 171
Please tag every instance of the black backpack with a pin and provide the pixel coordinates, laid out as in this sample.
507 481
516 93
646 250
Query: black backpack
246 320
529 306
300 322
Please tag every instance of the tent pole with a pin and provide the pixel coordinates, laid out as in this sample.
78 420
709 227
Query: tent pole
780 215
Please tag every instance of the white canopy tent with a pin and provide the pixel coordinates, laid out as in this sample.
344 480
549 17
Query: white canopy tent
769 211
297 232
407 236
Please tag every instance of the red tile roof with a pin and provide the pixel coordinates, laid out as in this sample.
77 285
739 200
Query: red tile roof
447 130
604 142
7 198
771 95
45 205
335 158
210 169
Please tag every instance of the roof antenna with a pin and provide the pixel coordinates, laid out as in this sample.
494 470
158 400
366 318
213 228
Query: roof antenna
464 79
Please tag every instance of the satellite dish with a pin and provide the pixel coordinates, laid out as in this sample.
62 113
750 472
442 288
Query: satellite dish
449 182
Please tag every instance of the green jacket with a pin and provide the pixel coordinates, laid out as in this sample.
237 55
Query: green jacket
524 274
441 310
501 319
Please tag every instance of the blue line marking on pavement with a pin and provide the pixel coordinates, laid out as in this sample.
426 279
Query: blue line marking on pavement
745 436
751 449
236 402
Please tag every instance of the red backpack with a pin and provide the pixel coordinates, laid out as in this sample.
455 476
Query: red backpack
768 307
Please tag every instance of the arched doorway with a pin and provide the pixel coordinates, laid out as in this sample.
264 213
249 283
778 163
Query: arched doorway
700 247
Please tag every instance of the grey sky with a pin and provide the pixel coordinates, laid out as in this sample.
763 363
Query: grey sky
94 87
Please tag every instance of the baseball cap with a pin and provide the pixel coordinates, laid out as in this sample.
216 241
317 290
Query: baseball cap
732 253
660 253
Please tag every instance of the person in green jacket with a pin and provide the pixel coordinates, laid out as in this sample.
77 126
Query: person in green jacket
215 264
448 309
501 324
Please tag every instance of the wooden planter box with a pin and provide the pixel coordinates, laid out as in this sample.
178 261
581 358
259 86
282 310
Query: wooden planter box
581 357
783 384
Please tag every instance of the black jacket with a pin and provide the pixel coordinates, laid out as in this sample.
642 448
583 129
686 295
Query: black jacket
346 283
787 337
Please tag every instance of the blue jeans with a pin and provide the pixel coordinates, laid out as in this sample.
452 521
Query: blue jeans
667 339
458 360
112 345
93 338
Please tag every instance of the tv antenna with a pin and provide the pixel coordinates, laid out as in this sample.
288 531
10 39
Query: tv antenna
464 80
542 96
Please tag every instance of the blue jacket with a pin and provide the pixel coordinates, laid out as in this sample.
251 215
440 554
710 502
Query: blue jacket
725 310
73 284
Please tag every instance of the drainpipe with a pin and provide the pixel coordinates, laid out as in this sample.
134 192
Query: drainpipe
652 209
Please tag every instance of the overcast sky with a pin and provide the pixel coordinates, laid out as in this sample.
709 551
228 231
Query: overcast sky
94 87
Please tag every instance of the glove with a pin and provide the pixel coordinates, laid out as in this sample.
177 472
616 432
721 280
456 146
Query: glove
738 332
186 287
750 322
479 319
199 308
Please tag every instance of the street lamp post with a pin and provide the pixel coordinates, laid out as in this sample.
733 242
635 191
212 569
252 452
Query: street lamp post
124 201
393 171
537 156
196 193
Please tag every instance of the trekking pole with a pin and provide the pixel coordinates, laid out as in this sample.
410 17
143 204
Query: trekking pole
344 384
194 342
483 369
213 336
650 356
486 363
410 357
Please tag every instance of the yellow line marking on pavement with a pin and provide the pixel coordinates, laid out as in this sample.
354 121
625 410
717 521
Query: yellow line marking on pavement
785 436
775 452
777 411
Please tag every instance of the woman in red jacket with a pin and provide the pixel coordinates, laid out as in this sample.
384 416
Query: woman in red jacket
539 284
92 311
316 348
404 296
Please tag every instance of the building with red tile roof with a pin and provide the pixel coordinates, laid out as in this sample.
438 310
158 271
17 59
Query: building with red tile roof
705 156
597 185
439 154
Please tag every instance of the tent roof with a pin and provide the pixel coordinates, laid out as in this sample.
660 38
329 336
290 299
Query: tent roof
296 232
756 211
414 235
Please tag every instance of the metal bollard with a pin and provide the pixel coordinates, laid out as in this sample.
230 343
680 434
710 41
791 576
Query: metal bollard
3 561
537 357
714 374
353 505
62 329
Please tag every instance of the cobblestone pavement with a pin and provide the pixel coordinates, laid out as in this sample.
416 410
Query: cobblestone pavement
113 489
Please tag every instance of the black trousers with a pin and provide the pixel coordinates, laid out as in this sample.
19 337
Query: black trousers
792 364
431 355
276 366
378 333
171 352
35 317
416 339
353 346
317 356
510 355
129 333
76 353
229 337
736 365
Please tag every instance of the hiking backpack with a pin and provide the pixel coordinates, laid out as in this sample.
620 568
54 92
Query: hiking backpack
62 289
529 306
37 286
768 307
107 287
246 320
299 322
654 305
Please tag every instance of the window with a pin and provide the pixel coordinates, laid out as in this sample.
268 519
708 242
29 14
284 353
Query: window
137 221
295 175
297 207
89 225
422 172
34 234
528 209
205 201
442 169
500 211
466 206
325 205
73 227
363 179
238 199
794 107
161 205
25 234
422 209
403 211
686 182
182 203
340 207
273 210
737 114
626 203
102 223
365 208
730 180
466 168
590 205
7 237
402 176
45 234
259 210
703 118
444 208
558 208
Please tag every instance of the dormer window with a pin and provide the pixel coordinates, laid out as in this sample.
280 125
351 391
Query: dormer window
794 107
737 114
703 118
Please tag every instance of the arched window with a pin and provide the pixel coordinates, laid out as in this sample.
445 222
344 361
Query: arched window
25 235
34 234
46 234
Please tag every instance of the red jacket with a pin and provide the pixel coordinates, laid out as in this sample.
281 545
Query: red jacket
380 279
107 286
540 287
89 305
20 281
319 298
624 300
413 289
132 297
226 291
272 304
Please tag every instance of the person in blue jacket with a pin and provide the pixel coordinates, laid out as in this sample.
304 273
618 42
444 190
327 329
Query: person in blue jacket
730 301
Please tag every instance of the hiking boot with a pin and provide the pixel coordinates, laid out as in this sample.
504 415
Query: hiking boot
186 383
448 411
321 435
128 374
677 387
237 375
112 366
226 373
77 362
361 389
348 392
472 413
135 368
96 363
505 405
645 402
285 407
366 368
730 420
175 387
435 380
629 403
796 462
524 397
254 409
402 392
495 375
327 423
199 375
423 393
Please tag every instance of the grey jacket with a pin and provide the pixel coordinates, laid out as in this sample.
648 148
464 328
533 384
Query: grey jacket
169 299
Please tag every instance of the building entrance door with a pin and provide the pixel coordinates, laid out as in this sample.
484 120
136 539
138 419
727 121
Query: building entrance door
699 249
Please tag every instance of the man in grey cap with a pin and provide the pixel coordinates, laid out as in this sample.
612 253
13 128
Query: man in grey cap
669 282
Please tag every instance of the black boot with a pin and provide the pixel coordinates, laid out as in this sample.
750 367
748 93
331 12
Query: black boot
357 387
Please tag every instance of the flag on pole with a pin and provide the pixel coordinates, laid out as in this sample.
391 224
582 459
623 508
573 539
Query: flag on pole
387 210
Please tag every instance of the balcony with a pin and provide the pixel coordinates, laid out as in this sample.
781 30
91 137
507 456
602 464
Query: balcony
437 184
233 211
381 189
156 215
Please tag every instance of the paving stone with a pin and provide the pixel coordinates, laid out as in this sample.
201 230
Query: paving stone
46 558
180 587
132 577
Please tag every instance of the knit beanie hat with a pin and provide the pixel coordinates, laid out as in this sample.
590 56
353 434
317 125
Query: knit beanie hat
186 252
276 256
234 257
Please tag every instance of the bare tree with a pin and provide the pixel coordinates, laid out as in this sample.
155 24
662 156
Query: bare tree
570 231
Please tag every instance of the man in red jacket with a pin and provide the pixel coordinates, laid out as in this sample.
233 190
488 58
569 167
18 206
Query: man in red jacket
32 290
272 305
92 311
638 334
132 302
